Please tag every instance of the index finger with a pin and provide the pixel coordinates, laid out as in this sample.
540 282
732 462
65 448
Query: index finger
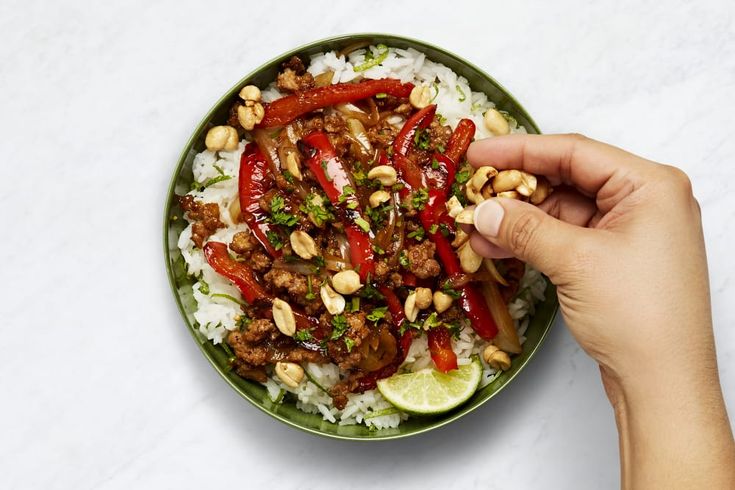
568 158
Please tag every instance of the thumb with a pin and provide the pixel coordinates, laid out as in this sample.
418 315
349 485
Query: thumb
529 233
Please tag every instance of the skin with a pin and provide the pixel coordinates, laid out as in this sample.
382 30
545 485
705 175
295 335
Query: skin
622 240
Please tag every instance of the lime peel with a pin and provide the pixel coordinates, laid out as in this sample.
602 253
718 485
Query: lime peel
430 392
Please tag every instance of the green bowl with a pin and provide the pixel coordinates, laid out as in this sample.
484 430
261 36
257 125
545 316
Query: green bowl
181 285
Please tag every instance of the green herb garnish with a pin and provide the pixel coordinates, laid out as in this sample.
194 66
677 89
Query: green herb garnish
310 292
275 239
372 60
419 199
349 343
418 234
422 139
339 324
362 223
377 314
278 215
203 286
303 335
462 96
403 259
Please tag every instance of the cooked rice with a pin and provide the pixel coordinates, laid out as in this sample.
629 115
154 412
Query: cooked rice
217 312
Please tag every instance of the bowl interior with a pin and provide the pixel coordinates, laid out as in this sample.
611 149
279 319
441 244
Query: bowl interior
182 285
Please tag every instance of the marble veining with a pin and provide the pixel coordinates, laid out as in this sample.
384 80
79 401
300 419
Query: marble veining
102 387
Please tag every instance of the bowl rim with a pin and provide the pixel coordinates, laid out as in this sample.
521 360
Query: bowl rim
438 423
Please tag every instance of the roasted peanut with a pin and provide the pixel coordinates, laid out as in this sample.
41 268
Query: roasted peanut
250 93
496 358
454 207
467 216
410 308
423 298
420 96
346 282
249 116
507 180
221 138
509 195
481 177
283 317
303 245
385 174
543 189
378 197
442 301
333 301
468 258
496 123
460 237
290 373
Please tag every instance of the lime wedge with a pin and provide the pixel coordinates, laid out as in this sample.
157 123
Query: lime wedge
429 391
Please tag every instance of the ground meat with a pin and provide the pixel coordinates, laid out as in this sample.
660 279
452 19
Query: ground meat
283 280
382 134
383 270
439 134
260 262
232 119
249 372
339 391
395 280
204 215
334 123
357 331
277 347
243 242
313 124
294 76
260 330
421 260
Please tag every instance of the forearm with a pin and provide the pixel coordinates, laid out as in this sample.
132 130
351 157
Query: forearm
673 428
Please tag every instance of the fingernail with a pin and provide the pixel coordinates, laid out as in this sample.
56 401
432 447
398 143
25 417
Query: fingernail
488 216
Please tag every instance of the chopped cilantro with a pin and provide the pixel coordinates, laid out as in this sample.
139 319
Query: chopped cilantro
303 335
454 328
227 297
203 286
370 292
439 147
378 215
435 164
318 213
339 324
450 291
288 176
397 187
378 250
462 176
275 239
346 192
422 139
278 215
433 228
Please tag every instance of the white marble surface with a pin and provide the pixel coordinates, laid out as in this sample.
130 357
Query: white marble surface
101 385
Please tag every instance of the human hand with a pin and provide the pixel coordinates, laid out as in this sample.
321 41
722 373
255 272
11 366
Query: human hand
622 240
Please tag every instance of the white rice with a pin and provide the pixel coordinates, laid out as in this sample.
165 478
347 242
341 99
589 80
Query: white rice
217 313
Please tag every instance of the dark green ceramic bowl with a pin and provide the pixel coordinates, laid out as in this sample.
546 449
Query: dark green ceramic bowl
181 284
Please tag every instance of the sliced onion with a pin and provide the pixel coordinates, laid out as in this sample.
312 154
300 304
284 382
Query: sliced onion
296 267
494 274
358 131
507 338
336 264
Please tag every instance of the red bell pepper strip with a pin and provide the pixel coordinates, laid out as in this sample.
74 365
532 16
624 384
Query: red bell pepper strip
333 177
239 273
440 347
420 120
434 213
460 140
244 279
284 110
254 182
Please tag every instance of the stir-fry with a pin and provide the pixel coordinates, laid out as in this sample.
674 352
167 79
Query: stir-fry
354 194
